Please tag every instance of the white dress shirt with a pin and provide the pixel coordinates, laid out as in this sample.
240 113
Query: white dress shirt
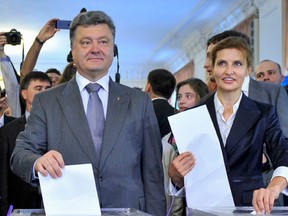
103 92
225 126
2 120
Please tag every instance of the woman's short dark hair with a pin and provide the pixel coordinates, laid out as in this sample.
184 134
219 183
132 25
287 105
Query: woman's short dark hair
197 85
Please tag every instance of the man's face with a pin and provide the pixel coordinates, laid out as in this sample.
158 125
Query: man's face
54 77
210 80
34 87
92 50
268 71
208 63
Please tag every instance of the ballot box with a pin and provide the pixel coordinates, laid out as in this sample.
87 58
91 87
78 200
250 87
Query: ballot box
104 211
226 211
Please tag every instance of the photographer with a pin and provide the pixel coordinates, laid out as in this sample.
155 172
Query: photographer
10 78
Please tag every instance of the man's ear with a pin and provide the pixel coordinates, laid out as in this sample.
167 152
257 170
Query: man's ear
147 87
24 94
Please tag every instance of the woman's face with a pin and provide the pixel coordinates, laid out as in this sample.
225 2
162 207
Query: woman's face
230 69
186 97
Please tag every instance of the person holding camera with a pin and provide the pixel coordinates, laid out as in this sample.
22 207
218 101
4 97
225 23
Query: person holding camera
10 76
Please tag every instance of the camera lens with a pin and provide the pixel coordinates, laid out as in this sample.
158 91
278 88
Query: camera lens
13 38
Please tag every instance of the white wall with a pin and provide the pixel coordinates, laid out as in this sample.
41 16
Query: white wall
270 31
270 41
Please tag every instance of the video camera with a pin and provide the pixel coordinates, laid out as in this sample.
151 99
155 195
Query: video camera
13 37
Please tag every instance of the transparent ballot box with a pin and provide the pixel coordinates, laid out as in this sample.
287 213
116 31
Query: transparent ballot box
225 211
104 212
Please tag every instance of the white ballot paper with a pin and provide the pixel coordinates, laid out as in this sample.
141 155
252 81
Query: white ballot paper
207 184
74 193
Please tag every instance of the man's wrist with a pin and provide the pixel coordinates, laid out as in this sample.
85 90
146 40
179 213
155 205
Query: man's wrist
41 42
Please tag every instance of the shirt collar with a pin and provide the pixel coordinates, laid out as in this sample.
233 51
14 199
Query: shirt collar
219 106
245 85
159 98
82 81
27 114
2 120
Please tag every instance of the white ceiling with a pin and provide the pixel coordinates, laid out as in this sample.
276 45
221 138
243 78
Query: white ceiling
149 33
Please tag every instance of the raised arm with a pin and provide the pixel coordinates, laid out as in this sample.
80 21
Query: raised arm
47 32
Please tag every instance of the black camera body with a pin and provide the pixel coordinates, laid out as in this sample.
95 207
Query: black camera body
13 37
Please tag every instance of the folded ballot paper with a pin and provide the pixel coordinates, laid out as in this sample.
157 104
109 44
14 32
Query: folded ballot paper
74 193
207 184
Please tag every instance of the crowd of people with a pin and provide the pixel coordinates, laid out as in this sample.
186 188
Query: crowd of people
133 152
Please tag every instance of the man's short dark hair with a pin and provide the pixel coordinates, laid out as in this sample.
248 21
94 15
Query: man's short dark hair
34 75
225 34
162 82
90 18
278 65
53 70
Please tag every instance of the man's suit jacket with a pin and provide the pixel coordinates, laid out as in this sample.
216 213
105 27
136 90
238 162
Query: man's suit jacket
162 110
272 94
255 123
130 171
8 119
14 190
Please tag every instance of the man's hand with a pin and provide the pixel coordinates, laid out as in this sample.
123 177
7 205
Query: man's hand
180 166
3 41
263 199
48 30
52 163
3 103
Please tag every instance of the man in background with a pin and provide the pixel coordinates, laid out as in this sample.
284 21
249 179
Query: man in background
54 76
269 71
160 86
14 191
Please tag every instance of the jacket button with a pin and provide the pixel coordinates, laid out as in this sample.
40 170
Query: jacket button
100 178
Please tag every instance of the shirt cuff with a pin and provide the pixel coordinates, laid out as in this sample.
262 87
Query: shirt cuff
34 174
282 171
5 59
172 191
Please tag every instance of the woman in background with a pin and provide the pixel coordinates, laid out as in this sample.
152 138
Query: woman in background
189 92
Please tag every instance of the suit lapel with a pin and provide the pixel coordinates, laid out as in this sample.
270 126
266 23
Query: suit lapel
246 116
118 102
256 92
71 104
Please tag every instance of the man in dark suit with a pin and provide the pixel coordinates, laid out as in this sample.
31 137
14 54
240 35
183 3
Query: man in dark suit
160 86
128 173
4 119
14 191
